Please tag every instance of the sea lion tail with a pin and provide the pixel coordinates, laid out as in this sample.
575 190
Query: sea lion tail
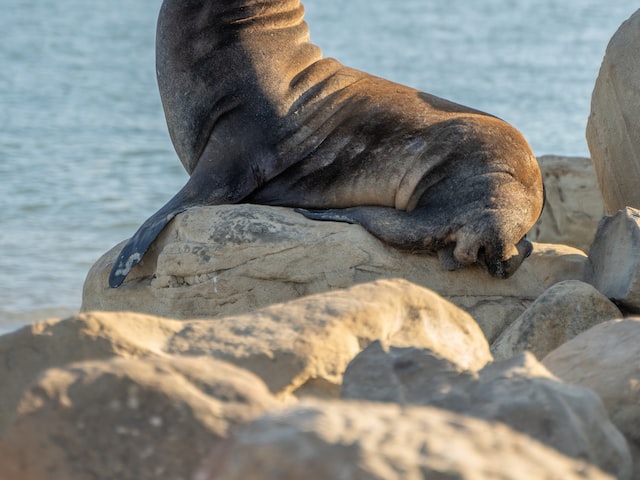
139 243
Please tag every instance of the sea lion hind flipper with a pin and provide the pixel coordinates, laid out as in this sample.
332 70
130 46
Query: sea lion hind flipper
395 227
330 215
456 246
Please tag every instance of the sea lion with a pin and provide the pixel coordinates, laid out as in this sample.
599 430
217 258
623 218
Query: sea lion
257 115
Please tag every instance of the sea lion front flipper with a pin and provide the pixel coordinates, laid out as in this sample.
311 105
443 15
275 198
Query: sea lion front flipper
221 177
136 247
139 243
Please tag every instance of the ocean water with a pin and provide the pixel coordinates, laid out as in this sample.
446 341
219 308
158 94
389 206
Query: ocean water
85 155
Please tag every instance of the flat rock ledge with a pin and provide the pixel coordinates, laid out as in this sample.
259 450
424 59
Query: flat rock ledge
226 260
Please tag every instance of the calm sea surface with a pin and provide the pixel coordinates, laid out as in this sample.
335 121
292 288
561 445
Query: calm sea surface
84 152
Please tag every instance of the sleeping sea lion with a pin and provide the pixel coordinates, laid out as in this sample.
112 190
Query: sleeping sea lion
257 115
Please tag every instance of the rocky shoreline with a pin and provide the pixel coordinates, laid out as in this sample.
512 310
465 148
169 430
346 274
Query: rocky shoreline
378 378
253 343
355 373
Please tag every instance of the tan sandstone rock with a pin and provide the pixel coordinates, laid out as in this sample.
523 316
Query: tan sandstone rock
573 204
559 314
300 347
359 440
55 343
128 419
519 392
614 122
230 259
606 359
306 344
614 265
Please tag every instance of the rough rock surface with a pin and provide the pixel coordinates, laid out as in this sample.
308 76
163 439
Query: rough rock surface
230 259
614 265
519 392
573 205
29 351
358 440
128 419
614 122
559 314
118 374
606 359
300 347
306 344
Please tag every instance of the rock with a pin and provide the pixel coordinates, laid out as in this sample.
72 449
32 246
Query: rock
519 392
127 419
573 205
406 375
301 347
305 345
55 343
614 122
231 259
559 314
614 266
359 440
606 359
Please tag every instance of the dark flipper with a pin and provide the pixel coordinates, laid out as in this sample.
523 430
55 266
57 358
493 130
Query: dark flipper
457 246
225 177
137 245
504 268
395 227
191 195
332 215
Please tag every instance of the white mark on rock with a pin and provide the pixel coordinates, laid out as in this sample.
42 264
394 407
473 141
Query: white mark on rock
133 403
156 421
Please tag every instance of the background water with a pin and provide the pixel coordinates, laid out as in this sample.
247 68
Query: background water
84 152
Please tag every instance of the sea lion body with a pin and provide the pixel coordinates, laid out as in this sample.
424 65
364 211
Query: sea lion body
257 115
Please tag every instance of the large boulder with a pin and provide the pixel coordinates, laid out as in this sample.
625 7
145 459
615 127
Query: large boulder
606 359
614 266
231 259
128 419
90 336
559 314
297 348
127 377
518 392
573 205
360 440
614 122
305 345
